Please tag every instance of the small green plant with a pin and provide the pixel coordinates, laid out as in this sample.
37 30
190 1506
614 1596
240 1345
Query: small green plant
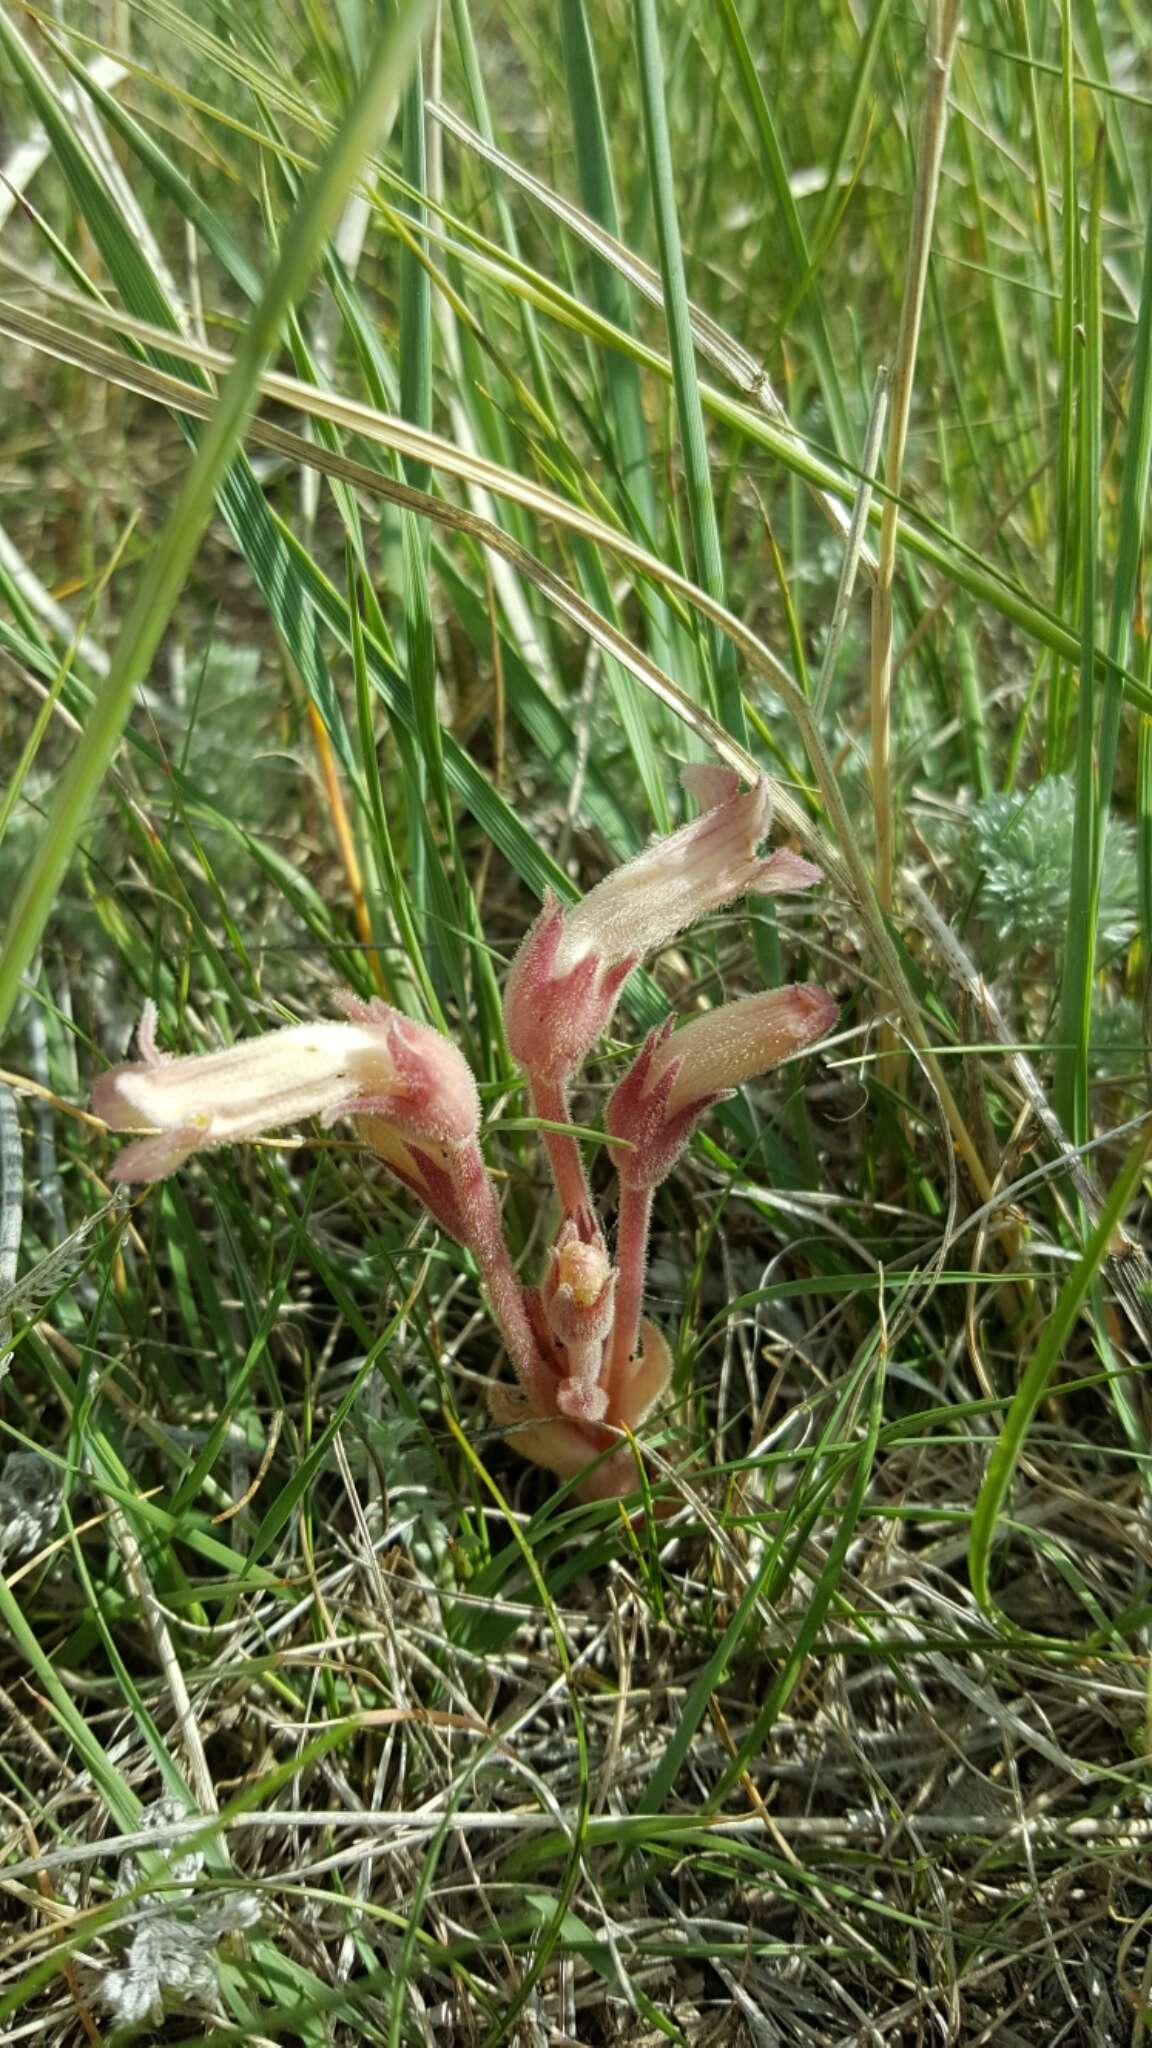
1016 853
172 1957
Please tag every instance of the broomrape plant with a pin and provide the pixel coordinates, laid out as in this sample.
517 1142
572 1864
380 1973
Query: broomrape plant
588 1366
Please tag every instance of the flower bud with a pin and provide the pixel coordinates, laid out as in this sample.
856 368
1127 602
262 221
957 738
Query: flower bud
722 1048
581 1271
578 1297
578 1288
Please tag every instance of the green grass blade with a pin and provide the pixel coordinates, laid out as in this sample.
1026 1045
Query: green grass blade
870 46
598 192
1071 1071
172 556
623 394
825 1587
1144 823
694 445
804 282
1129 545
1059 695
122 1802
1042 1364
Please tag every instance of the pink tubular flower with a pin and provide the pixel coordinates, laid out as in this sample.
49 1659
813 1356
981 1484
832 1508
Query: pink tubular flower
686 875
376 1061
588 1367
564 981
678 1074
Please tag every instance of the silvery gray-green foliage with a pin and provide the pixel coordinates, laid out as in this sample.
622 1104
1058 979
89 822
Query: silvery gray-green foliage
30 1497
1017 856
172 1955
161 1816
162 1957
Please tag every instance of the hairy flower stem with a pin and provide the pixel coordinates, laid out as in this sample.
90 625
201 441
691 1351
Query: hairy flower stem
584 1360
580 1395
631 1261
550 1104
485 1240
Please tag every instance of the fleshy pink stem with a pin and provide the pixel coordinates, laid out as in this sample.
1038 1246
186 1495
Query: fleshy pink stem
583 1360
580 1394
485 1240
550 1104
631 1261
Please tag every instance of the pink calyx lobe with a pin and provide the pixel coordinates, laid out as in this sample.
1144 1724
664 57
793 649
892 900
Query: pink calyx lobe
554 1013
425 1170
434 1098
679 1074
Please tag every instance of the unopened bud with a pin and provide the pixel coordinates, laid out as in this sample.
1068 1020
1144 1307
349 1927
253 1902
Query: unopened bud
578 1288
581 1270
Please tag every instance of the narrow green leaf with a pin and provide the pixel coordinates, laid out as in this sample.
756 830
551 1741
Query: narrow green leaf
1071 1070
729 704
823 1591
174 552
1041 1365
777 178
1130 536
